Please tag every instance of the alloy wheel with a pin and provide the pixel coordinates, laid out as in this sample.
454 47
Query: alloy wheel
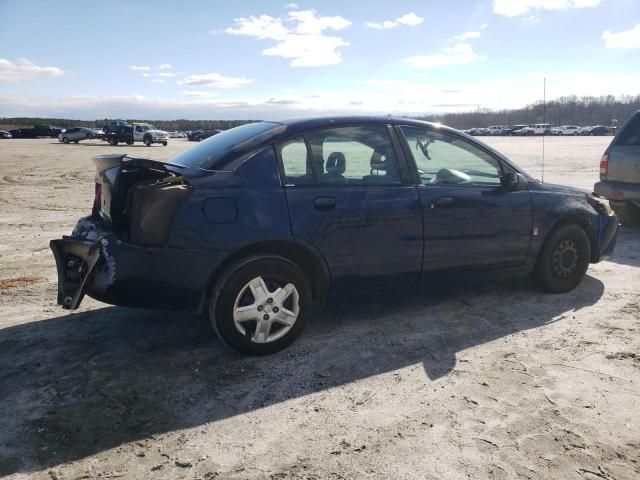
266 309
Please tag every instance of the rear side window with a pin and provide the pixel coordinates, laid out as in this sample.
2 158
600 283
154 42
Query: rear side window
217 151
354 155
295 162
630 134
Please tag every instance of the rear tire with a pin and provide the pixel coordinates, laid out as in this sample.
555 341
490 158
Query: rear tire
259 304
563 261
164 144
628 213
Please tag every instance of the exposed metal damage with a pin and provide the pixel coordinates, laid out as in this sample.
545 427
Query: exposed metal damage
136 200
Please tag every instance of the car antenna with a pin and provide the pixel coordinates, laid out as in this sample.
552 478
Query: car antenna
544 119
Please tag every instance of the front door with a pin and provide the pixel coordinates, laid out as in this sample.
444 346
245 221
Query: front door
346 196
471 223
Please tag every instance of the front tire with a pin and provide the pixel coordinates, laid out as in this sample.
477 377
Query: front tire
259 305
563 261
65 140
164 144
147 141
628 213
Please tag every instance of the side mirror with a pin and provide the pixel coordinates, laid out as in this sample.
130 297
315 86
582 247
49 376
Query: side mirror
511 181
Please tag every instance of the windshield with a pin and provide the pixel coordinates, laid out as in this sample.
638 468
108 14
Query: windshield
215 152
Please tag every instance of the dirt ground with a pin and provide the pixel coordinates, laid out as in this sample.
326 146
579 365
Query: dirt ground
496 381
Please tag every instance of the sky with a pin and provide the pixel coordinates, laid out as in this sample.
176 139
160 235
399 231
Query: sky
272 59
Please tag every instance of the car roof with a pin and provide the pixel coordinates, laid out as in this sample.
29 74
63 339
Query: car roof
295 125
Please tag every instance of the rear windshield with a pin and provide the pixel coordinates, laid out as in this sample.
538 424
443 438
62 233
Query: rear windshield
630 134
217 151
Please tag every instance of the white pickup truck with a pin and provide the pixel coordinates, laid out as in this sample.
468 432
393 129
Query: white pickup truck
147 133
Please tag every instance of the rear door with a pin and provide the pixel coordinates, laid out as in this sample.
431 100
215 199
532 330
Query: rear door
349 196
624 153
471 224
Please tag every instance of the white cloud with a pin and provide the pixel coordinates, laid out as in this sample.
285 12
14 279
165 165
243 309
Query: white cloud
146 74
484 26
140 68
410 19
304 42
290 6
199 94
624 39
165 74
164 66
465 36
514 8
23 69
157 80
459 54
215 80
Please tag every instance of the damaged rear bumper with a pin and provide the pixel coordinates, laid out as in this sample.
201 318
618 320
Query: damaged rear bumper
75 261
93 261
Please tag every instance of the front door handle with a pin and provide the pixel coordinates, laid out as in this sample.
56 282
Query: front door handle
442 202
324 203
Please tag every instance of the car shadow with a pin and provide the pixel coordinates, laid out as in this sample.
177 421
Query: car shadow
627 251
78 384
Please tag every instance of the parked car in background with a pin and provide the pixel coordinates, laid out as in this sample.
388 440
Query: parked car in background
114 126
598 130
255 223
495 130
569 130
149 134
522 131
75 134
173 134
583 130
118 131
36 131
620 173
511 129
98 133
199 135
5 134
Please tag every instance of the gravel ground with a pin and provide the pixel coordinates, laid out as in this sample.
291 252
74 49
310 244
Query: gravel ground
485 381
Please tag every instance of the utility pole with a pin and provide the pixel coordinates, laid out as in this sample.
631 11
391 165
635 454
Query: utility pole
544 118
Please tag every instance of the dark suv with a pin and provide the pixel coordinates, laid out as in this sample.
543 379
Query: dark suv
620 173
253 224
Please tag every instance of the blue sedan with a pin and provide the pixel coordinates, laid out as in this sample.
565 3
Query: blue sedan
253 225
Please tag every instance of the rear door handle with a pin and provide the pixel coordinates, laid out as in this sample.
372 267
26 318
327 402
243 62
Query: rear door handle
442 202
324 203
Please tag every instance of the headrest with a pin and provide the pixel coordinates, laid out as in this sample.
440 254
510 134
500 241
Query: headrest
336 163
379 161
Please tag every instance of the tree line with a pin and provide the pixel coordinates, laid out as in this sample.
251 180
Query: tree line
606 110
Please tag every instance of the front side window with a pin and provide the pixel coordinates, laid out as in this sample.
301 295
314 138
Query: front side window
444 159
354 155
